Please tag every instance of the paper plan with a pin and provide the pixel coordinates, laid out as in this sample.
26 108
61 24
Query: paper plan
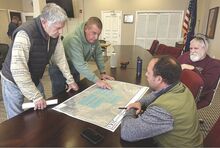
31 104
100 106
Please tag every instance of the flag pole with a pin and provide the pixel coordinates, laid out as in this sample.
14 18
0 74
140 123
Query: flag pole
192 23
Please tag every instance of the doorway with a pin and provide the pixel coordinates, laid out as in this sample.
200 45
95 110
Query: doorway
111 31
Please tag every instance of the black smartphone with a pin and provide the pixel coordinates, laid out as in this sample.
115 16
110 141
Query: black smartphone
92 136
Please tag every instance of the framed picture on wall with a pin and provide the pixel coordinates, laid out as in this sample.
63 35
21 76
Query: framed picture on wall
211 24
128 18
16 14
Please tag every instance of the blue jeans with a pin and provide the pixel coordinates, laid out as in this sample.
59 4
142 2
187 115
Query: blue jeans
13 97
58 82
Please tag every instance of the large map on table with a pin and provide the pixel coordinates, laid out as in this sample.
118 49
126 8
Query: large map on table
100 106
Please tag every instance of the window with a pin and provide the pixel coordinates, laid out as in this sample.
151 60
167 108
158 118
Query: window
166 27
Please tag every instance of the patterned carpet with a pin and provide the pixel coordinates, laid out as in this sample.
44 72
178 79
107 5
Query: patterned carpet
209 114
2 111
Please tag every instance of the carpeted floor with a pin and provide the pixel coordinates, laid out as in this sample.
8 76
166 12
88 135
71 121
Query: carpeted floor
2 112
209 114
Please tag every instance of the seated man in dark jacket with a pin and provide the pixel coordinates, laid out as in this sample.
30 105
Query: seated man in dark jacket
208 68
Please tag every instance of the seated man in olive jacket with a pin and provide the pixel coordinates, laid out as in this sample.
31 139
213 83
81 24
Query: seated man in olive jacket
169 113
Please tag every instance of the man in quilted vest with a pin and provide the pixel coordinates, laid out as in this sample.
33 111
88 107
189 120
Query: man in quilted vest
34 44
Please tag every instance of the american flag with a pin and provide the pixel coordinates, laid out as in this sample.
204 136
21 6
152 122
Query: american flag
189 23
186 25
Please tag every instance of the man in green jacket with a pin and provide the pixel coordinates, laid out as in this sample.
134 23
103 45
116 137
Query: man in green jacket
80 47
169 112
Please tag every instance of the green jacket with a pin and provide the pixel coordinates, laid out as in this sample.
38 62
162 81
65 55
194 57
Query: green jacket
79 52
180 103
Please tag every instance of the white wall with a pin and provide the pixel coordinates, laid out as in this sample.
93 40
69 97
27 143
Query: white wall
202 18
71 24
5 6
4 28
214 45
94 7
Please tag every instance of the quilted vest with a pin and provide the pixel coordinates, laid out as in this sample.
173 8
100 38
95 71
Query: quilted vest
39 55
180 103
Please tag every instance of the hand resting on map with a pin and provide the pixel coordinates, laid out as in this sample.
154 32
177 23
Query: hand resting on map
106 77
103 84
136 106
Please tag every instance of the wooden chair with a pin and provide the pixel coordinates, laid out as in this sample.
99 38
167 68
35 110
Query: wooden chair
168 50
193 81
153 47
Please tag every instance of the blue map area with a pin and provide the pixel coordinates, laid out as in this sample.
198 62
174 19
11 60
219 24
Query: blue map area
99 96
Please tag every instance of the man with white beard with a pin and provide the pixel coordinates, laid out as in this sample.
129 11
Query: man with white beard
208 68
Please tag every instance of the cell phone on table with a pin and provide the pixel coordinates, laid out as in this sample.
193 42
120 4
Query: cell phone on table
92 136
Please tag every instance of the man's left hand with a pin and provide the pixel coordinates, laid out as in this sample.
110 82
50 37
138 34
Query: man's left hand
72 86
106 77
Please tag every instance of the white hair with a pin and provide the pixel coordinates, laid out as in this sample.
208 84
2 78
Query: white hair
53 13
202 40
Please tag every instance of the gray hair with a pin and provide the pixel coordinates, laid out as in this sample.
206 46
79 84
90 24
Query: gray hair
202 39
53 13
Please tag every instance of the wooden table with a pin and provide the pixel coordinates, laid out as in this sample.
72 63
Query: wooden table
130 53
49 128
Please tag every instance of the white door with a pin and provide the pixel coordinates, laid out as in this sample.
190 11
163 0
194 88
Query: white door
111 31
